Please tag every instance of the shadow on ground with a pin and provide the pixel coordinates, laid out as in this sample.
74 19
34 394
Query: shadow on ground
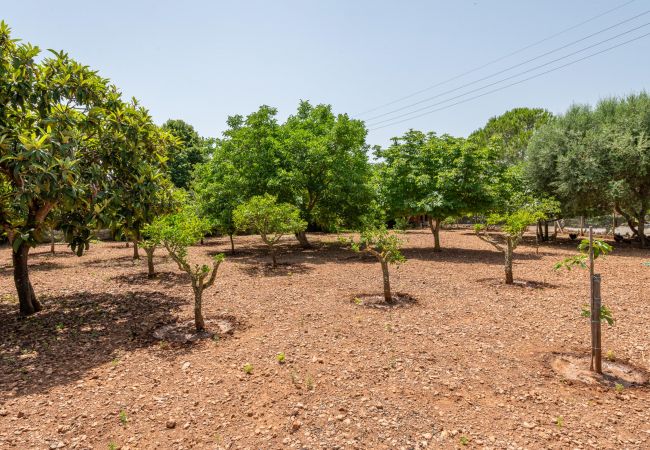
74 334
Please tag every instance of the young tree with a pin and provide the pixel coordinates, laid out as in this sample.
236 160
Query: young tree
513 225
177 232
49 154
270 219
385 247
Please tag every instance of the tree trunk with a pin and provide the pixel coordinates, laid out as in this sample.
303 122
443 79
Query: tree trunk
52 241
434 224
198 315
641 228
546 231
388 297
150 268
136 253
29 304
509 250
302 238
275 262
582 225
232 244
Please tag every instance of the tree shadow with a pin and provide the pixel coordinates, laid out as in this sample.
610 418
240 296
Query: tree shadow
121 261
39 266
256 268
74 334
167 279
518 283
465 255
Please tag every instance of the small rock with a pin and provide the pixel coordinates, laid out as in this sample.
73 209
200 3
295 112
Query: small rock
186 365
295 426
171 424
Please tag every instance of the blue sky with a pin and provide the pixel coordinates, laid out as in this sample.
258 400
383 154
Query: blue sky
201 61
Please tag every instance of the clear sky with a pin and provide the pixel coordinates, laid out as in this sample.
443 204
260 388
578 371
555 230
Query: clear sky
201 61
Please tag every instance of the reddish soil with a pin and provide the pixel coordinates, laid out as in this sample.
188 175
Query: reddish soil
468 364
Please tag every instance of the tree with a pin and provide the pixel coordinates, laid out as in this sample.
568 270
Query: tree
597 160
49 153
324 169
270 219
437 176
384 246
140 188
188 150
511 132
177 232
218 190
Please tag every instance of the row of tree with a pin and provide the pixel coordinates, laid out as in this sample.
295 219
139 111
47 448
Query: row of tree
77 157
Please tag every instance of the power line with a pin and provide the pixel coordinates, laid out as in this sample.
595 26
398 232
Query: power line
489 63
509 77
516 82
507 69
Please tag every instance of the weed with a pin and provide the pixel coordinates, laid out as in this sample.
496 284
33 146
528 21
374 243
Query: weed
112 446
248 368
280 357
610 355
464 440
60 327
309 383
216 338
618 387
559 421
123 418
357 301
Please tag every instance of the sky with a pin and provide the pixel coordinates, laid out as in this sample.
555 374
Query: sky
202 61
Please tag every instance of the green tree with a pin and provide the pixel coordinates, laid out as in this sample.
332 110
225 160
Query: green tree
176 233
511 131
49 153
140 188
437 176
219 189
270 219
324 169
384 246
188 150
597 160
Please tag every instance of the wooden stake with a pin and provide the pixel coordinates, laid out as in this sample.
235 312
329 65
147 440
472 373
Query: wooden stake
596 350
591 293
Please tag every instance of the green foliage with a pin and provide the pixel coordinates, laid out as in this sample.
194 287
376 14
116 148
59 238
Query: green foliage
597 159
509 133
605 314
123 418
380 243
600 248
262 214
187 151
280 357
618 387
248 368
438 176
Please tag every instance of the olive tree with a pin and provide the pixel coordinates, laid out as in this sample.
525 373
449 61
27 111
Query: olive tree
270 219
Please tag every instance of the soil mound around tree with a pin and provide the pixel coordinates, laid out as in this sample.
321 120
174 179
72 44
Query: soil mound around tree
185 332
378 301
576 368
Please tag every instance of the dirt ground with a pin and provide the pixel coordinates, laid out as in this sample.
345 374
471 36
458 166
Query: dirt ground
468 366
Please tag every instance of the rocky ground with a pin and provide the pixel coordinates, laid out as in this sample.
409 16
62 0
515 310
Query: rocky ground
468 365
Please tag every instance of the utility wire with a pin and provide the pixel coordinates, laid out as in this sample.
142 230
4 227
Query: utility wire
517 82
489 63
510 77
507 69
